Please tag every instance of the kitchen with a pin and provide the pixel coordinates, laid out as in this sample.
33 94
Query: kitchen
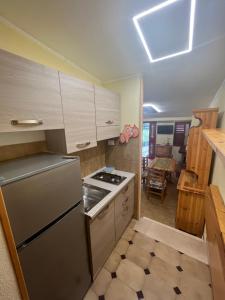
67 135
105 193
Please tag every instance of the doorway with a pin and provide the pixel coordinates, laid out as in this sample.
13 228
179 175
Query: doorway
163 157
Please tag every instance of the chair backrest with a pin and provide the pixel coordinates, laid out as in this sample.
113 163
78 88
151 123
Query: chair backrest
163 150
156 175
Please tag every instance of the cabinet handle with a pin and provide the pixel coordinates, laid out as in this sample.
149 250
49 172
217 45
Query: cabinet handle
125 201
126 189
83 145
109 122
26 122
103 213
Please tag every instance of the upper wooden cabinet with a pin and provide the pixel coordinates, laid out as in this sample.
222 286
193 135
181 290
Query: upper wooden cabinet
79 117
29 95
107 107
74 113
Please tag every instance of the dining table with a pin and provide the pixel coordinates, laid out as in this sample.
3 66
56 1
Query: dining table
163 164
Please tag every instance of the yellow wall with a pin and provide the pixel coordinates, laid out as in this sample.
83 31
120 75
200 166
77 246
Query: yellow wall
130 92
18 42
219 167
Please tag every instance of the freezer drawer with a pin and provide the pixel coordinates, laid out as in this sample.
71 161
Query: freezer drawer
34 202
55 264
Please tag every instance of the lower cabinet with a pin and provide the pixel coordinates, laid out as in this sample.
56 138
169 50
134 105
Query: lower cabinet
124 208
102 237
108 226
190 212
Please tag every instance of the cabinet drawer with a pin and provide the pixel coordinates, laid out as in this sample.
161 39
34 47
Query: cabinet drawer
102 237
107 107
29 95
107 132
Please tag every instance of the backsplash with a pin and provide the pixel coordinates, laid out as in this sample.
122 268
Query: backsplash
125 157
91 159
20 150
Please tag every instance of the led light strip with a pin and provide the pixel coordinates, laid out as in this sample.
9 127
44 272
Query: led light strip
151 105
157 8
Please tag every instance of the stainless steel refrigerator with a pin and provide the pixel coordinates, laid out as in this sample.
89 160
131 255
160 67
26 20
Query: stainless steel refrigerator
43 198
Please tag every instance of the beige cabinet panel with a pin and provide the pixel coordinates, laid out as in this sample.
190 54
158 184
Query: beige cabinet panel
107 107
29 95
107 132
79 113
102 237
124 209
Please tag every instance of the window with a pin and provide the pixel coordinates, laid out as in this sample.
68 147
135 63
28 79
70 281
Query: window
180 132
145 140
148 139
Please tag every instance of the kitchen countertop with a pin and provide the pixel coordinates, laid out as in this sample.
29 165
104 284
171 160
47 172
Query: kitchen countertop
114 189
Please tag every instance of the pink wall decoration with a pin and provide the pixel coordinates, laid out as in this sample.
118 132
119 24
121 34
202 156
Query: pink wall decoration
128 133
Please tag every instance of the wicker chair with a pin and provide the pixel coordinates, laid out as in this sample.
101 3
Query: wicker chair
156 183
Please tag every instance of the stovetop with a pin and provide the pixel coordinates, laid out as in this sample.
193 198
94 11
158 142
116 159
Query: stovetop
109 178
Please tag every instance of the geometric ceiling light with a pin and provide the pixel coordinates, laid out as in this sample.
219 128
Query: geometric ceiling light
157 8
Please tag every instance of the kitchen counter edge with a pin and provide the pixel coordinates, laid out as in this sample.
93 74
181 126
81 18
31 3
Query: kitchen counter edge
114 189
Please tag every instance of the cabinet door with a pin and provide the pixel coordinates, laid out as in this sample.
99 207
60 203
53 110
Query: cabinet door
78 112
102 236
107 107
107 132
124 208
29 95
190 213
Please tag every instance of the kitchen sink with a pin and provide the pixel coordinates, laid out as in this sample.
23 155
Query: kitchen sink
92 195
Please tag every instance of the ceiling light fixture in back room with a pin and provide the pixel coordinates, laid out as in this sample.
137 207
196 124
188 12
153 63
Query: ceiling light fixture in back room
149 12
153 108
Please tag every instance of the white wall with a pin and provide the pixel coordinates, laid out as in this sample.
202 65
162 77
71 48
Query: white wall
168 138
219 168
164 138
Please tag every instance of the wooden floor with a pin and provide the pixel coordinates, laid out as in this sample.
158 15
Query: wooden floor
163 212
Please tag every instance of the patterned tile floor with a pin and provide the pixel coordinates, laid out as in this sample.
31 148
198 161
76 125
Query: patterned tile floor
143 268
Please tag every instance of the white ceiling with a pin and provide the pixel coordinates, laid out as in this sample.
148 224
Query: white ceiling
99 36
